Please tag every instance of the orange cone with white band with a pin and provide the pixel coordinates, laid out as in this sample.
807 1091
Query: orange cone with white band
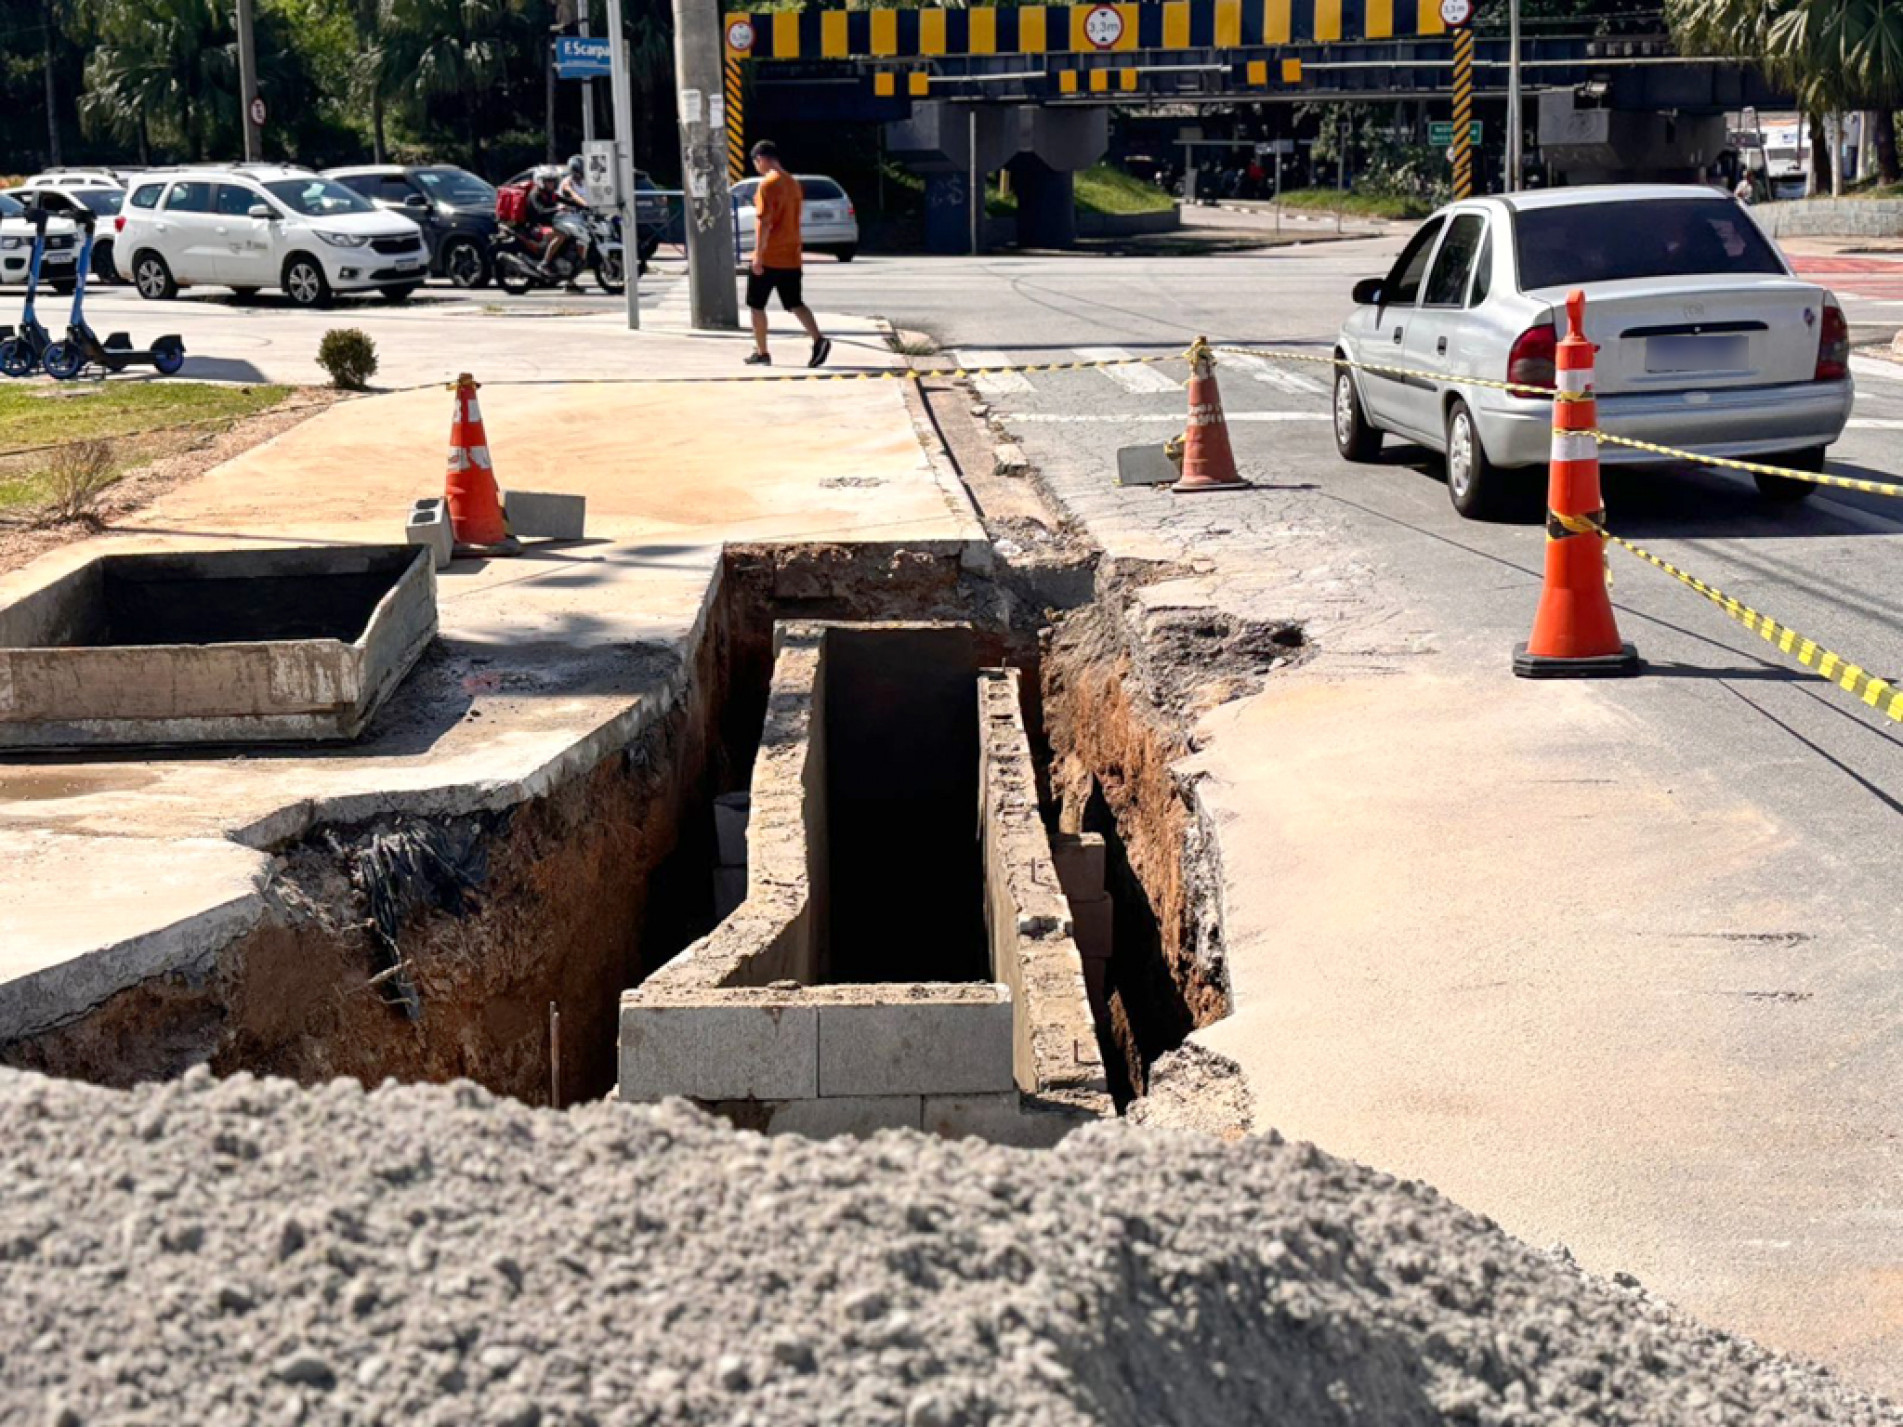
1574 634
1209 463
469 487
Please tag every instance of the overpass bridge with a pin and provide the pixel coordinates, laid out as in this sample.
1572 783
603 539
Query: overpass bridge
1030 86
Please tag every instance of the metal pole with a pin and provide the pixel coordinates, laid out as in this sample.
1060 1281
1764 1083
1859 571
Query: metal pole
713 301
622 99
587 85
1516 119
248 83
977 203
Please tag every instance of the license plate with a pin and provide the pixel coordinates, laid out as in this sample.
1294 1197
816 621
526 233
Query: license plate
409 262
1697 352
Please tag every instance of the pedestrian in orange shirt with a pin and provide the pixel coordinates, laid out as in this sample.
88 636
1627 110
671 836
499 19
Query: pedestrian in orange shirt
776 255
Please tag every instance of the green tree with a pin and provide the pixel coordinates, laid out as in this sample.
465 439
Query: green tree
165 69
437 54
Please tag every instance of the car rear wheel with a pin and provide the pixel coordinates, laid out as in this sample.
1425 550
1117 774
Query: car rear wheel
153 278
1783 489
1477 486
305 283
465 265
1354 437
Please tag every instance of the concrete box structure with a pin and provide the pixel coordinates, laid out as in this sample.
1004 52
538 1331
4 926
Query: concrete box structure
898 719
429 526
213 646
545 515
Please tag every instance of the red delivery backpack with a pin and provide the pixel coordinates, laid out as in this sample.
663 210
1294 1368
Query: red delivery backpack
512 203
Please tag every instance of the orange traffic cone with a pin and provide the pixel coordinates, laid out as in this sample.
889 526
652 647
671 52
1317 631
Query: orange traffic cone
1208 462
469 487
1574 634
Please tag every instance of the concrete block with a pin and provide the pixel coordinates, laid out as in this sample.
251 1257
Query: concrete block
544 514
429 525
997 1118
915 1047
732 811
825 1119
1090 924
730 890
716 1052
1079 857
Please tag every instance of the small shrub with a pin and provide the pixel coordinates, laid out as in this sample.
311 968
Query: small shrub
75 477
349 355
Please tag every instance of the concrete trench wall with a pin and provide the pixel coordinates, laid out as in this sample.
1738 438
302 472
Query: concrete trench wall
742 1022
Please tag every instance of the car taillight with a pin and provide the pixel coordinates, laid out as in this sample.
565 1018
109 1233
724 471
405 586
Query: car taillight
1535 350
851 212
1833 345
119 223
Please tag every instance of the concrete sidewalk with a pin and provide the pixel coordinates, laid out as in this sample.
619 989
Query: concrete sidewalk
113 868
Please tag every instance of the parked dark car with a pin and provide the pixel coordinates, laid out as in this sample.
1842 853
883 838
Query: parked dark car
455 209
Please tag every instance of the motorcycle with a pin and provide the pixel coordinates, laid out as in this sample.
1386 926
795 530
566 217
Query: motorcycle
594 245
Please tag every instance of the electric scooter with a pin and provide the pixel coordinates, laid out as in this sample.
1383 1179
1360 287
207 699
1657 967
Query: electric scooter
83 349
22 350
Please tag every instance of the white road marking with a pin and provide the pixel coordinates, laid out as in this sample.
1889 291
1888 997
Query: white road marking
998 384
1875 423
1051 418
1269 374
1142 380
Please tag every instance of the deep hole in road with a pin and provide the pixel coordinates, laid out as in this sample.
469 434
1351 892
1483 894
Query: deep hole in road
434 948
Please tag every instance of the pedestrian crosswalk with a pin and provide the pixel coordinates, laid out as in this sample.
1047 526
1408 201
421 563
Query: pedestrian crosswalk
1159 379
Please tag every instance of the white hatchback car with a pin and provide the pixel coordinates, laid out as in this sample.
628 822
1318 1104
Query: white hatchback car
59 263
263 225
829 223
1707 341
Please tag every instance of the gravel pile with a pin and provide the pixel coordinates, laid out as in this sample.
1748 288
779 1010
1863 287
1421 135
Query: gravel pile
243 1251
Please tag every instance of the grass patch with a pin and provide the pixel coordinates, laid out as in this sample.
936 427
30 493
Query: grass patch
1360 205
1099 189
37 414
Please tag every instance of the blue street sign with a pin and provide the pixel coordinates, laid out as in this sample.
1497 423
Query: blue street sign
582 59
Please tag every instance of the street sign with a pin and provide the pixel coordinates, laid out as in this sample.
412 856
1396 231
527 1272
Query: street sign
1456 14
601 173
740 36
578 58
1440 133
1103 27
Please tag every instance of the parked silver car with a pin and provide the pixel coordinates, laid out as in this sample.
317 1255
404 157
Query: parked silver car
1706 339
829 223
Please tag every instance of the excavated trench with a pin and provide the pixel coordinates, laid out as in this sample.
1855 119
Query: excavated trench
429 949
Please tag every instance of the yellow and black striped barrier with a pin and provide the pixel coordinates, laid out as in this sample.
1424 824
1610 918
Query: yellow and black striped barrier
1073 29
736 120
1463 112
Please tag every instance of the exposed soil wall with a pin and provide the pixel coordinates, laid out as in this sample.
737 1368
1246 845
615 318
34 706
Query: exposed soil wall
1111 750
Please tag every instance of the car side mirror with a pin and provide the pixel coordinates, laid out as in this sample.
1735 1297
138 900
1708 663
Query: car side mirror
1367 292
417 201
260 210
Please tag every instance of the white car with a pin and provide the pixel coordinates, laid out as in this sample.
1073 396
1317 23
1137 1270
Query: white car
58 264
77 178
67 203
1707 341
828 221
263 225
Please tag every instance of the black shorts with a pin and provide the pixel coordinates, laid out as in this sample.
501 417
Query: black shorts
785 281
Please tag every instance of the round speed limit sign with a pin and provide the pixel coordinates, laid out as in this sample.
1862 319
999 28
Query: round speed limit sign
1456 14
1103 27
740 35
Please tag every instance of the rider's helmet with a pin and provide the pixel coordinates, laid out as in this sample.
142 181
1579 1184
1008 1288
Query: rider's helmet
548 175
575 166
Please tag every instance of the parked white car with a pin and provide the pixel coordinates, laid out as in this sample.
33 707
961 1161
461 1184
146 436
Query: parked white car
78 178
828 221
59 264
263 225
1707 341
67 203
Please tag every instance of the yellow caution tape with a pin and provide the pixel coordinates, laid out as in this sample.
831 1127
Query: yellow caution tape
1756 468
1853 679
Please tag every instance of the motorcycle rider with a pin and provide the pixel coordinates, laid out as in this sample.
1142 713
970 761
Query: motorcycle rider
546 199
574 186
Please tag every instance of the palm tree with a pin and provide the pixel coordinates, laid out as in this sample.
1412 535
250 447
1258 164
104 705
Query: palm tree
445 50
366 19
1835 55
168 67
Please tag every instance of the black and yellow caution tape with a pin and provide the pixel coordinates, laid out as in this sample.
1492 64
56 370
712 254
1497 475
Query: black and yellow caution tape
1276 354
1867 688
1755 468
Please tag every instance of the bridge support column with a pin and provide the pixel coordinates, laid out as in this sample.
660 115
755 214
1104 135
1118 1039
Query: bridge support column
947 213
1047 203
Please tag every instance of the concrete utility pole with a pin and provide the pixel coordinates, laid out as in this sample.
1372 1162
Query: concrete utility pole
700 90
1516 121
623 96
248 98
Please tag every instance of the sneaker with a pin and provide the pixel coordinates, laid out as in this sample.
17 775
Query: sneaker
822 349
759 359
